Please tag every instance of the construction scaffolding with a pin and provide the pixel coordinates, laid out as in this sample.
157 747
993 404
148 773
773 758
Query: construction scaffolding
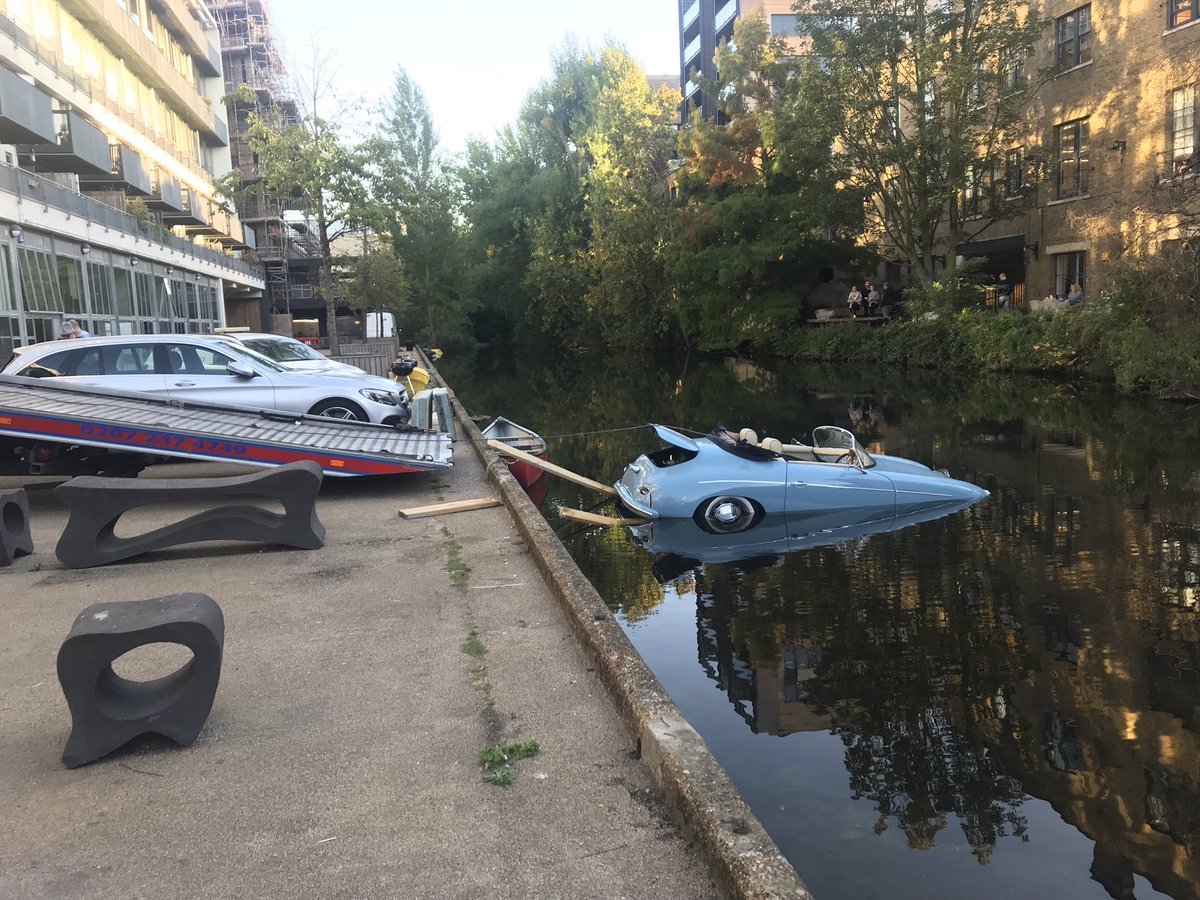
250 57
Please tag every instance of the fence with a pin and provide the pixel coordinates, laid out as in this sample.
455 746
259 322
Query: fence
374 355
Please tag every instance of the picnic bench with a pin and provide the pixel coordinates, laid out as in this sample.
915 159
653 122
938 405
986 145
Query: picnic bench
842 314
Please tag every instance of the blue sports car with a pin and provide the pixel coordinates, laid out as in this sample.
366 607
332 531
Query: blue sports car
729 482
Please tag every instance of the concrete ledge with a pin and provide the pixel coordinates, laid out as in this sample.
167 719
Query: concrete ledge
742 857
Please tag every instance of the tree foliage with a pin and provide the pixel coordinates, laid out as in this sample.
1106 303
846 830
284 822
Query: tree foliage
767 211
928 99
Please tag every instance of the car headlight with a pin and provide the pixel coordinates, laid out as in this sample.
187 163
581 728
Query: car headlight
380 397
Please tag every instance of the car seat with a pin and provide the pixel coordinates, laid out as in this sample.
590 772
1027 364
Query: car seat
177 365
773 444
749 436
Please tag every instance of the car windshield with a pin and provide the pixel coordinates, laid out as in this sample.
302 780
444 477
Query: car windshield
245 352
833 438
284 351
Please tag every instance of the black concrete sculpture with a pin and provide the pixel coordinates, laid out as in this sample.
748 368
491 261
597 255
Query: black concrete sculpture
108 711
15 537
97 503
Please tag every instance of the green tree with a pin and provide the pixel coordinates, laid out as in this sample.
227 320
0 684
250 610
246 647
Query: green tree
416 200
928 98
376 280
767 211
307 162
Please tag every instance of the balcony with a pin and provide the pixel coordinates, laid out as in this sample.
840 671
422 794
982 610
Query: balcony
188 31
691 14
210 63
126 173
691 50
166 194
79 147
25 112
33 188
725 15
193 211
690 88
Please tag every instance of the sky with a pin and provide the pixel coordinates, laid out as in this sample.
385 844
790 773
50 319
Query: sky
474 60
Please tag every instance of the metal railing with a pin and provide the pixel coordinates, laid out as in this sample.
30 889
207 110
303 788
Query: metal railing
28 186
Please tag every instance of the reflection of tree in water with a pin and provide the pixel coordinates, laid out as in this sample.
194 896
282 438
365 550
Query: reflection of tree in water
917 654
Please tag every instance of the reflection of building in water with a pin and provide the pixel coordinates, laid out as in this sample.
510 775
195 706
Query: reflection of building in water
771 701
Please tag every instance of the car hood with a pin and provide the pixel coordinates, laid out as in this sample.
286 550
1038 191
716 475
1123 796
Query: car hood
360 381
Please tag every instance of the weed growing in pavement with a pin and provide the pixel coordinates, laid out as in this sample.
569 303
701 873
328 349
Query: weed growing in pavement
499 762
473 645
459 571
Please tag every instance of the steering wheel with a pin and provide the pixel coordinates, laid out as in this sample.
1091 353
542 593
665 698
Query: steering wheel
846 457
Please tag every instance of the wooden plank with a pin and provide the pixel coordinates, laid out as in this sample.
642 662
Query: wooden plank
442 509
551 468
590 518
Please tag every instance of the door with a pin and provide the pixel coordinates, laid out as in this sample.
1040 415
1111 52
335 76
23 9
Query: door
197 373
125 367
833 495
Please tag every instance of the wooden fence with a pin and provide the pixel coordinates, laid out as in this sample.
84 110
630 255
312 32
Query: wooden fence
373 355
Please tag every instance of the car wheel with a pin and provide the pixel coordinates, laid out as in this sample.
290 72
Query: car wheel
339 409
728 515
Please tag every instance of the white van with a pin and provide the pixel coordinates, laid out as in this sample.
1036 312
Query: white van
381 324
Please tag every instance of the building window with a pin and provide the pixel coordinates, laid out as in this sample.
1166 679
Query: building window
783 25
1069 269
1014 172
1071 176
1074 37
1180 12
1012 70
970 195
1181 122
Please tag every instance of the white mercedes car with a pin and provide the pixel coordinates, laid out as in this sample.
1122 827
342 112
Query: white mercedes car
293 355
212 370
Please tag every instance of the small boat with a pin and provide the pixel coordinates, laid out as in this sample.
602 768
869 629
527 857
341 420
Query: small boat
728 482
535 481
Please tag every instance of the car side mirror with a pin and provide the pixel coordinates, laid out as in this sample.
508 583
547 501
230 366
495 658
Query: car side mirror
240 369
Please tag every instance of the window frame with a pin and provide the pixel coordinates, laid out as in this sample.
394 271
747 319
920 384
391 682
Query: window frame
1074 268
1073 49
1182 163
1174 7
1079 160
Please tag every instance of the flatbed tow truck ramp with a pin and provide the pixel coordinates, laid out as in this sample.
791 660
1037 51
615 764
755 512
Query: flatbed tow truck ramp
51 427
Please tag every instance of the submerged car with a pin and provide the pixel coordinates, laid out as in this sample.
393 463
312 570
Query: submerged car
728 483
210 370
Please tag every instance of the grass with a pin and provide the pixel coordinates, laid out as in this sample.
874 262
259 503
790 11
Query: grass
460 572
500 762
473 646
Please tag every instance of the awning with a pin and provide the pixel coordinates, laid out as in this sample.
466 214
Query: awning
996 245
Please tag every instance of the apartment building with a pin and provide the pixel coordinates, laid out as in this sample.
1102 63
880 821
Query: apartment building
1117 122
703 25
111 136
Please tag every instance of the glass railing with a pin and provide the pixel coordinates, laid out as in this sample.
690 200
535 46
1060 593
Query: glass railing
690 15
691 49
724 14
690 88
28 186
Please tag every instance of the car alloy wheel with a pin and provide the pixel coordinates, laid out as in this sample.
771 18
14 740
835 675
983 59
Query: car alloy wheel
729 515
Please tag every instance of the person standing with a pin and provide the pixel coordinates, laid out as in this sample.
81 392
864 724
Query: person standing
1004 292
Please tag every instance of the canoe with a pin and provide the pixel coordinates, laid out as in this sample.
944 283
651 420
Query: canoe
535 481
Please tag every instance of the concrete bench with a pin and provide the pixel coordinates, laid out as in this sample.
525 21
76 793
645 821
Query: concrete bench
15 538
96 504
108 711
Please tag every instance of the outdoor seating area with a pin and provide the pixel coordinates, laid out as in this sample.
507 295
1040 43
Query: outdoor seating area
843 314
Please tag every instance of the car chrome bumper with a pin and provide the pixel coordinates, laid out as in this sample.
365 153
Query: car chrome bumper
627 500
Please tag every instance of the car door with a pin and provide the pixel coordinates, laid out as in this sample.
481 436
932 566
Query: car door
126 367
197 373
850 493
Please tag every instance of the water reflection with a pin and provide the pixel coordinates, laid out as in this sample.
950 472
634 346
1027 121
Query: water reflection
1039 650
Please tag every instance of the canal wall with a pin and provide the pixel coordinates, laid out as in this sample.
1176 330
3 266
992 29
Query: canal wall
702 798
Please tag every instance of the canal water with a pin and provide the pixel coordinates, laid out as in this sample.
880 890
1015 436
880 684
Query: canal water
1004 702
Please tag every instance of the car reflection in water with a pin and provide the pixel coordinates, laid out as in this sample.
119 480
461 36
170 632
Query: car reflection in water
686 546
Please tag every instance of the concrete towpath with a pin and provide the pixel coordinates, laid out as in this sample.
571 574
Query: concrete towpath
360 683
